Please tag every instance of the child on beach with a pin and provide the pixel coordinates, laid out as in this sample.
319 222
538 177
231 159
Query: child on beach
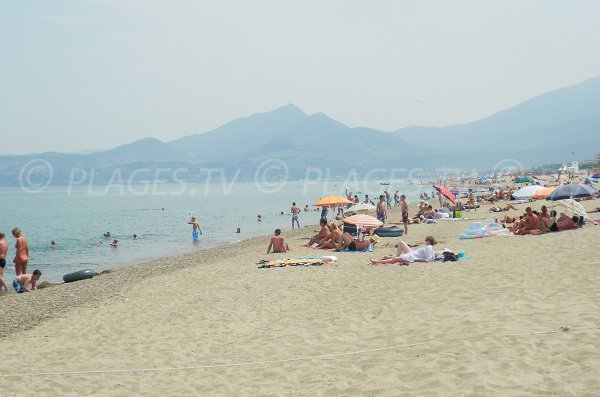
3 251
278 243
22 255
196 232
22 282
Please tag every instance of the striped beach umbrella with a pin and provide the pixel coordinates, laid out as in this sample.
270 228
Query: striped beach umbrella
363 220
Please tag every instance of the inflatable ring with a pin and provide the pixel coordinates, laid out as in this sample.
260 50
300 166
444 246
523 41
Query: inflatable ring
79 275
392 231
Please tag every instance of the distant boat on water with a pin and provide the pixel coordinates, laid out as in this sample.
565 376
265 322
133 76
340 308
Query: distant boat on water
384 183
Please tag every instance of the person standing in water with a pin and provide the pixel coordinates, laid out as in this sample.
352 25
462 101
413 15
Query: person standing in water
22 254
196 232
3 252
295 210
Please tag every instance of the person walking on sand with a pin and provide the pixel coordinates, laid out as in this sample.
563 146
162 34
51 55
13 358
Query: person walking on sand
404 207
278 243
381 209
196 232
22 282
3 252
295 210
22 255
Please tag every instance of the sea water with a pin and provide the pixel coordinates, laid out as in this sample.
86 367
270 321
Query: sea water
77 217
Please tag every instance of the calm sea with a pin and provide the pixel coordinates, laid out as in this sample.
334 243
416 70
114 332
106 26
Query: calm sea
77 217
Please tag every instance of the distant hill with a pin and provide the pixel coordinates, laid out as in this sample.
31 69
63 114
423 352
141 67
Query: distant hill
554 127
548 127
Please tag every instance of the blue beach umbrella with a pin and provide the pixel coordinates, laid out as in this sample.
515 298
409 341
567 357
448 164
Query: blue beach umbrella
573 190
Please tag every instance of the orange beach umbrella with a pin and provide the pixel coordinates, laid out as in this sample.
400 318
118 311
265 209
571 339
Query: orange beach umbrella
541 194
332 201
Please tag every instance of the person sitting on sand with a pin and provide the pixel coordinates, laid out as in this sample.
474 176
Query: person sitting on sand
530 224
405 254
323 233
278 243
335 237
21 282
356 245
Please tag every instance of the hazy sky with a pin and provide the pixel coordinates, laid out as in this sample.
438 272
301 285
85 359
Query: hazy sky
92 74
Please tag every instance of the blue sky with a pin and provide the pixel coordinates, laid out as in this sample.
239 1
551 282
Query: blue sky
92 74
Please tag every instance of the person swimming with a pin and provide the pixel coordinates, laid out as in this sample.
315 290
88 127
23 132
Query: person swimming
106 235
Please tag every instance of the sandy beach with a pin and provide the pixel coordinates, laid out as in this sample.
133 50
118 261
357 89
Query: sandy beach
519 316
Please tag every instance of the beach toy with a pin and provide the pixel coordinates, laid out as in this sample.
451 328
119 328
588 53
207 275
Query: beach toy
461 254
79 275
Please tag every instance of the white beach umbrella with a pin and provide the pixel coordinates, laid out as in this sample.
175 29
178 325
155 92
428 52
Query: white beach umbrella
574 206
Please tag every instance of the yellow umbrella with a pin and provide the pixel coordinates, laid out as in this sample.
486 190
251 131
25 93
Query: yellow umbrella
332 201
541 194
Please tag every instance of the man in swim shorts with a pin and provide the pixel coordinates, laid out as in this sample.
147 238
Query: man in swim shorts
295 210
404 207
196 232
3 252
381 209
22 282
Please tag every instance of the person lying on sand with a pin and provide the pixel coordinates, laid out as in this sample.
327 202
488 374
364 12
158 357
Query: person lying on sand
323 233
356 245
507 207
564 222
278 243
405 254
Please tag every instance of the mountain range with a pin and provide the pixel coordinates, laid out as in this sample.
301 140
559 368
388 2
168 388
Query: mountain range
550 128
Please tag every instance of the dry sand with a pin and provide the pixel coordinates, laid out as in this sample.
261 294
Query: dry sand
520 316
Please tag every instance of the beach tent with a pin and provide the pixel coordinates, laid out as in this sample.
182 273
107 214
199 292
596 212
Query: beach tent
541 194
526 192
572 190
524 179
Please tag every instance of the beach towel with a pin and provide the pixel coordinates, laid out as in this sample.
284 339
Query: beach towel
263 264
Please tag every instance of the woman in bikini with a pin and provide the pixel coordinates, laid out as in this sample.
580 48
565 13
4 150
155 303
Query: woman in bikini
22 255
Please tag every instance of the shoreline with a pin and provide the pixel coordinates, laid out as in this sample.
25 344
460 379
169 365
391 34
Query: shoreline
25 311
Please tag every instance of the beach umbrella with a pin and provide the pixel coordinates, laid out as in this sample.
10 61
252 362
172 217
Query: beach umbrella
574 206
443 190
363 220
524 179
361 207
572 190
541 194
596 176
526 192
332 201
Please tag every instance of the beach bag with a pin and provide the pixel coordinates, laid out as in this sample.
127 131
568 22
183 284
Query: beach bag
449 256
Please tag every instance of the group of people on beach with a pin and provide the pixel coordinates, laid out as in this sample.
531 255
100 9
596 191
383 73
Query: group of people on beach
539 222
23 282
